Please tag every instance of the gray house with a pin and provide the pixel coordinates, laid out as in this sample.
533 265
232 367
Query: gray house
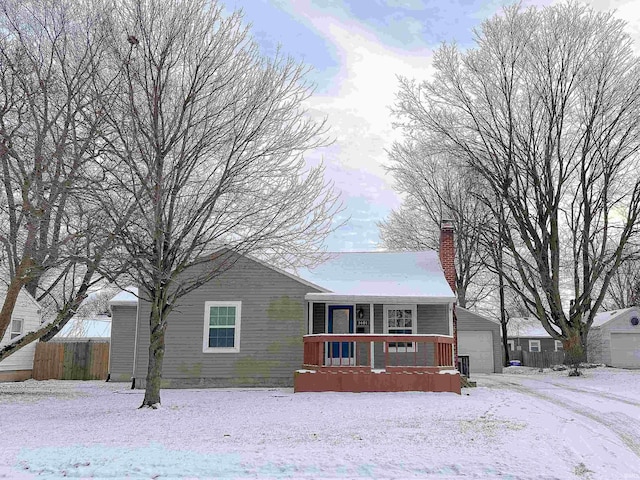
614 338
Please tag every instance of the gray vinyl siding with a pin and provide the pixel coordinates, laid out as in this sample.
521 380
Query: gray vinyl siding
273 322
471 322
123 333
432 319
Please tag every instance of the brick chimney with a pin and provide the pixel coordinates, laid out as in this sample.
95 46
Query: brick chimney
447 260
447 253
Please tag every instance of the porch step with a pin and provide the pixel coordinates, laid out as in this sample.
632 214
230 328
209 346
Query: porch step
466 383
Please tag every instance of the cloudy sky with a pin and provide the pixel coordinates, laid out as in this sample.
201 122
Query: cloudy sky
356 49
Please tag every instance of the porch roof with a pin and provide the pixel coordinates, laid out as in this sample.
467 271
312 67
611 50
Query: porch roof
380 277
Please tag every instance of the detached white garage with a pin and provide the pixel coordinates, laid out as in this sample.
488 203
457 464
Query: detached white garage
614 338
479 339
625 350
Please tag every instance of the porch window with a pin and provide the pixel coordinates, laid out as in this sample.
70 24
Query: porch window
559 347
534 345
221 327
400 320
17 326
512 345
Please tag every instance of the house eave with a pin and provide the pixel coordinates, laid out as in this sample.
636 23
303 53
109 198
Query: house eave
384 299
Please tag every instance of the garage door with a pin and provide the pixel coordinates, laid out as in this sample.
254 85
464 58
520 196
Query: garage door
479 346
625 350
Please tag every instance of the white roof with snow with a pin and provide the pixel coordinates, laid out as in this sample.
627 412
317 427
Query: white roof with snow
98 326
528 327
128 296
380 276
605 317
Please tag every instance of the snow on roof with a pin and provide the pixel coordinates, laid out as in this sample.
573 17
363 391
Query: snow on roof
95 327
526 327
128 296
605 317
381 274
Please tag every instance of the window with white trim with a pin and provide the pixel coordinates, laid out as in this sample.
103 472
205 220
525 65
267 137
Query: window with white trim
512 344
221 327
17 328
559 347
534 345
400 320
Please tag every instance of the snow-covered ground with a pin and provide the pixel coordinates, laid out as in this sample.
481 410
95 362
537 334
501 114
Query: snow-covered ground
522 424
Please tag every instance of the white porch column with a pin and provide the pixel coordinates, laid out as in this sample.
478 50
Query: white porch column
310 317
371 330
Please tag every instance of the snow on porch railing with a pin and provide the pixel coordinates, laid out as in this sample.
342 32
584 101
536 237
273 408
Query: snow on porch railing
421 352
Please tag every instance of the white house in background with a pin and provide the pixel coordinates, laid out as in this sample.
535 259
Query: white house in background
26 318
614 338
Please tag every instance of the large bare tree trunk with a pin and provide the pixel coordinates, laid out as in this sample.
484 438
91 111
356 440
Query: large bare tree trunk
157 326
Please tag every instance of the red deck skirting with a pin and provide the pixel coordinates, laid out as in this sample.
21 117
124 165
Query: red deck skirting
362 381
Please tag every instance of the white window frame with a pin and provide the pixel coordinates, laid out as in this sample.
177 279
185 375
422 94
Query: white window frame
535 342
16 332
236 337
414 321
512 345
557 344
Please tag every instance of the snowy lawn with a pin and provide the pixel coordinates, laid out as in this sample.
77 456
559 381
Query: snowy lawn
517 425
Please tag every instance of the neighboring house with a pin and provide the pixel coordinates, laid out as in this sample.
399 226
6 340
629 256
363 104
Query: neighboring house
479 339
26 317
530 336
614 338
255 325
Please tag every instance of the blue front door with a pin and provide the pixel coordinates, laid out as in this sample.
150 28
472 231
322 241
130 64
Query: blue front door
340 320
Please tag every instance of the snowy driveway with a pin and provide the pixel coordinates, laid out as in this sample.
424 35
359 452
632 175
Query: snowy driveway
537 426
618 413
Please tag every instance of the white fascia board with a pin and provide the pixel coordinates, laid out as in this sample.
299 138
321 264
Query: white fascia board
335 297
125 303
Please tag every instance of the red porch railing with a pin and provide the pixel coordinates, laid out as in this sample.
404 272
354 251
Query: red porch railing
420 353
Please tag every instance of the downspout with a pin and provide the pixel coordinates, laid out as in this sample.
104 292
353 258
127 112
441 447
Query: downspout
110 343
135 345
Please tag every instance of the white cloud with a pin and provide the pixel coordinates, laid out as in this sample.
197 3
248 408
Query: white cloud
357 104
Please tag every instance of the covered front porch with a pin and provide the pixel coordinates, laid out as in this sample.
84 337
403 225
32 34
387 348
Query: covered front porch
390 344
345 363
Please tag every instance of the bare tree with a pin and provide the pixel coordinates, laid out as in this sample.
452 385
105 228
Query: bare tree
49 54
544 111
436 188
624 288
208 142
52 227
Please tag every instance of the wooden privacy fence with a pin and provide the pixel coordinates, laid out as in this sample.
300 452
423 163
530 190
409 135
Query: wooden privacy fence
71 361
538 359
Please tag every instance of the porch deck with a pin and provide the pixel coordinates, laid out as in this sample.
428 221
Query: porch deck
346 363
